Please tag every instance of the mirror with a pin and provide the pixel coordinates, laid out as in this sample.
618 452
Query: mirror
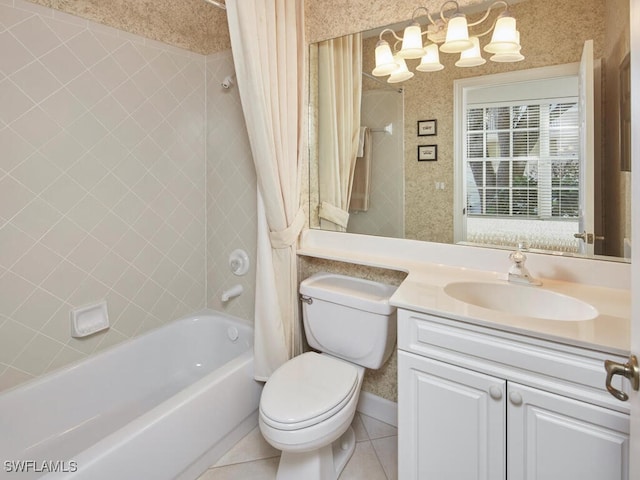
411 180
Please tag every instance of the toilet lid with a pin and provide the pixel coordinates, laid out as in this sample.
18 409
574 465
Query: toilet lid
306 390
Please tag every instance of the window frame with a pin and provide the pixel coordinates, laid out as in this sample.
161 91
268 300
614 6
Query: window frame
462 88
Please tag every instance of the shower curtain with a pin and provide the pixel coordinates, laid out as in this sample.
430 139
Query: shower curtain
340 88
267 42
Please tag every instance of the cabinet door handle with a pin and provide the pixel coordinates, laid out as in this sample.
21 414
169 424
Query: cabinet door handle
629 370
515 398
495 392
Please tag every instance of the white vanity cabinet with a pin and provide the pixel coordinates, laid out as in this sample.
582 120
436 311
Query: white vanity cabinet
477 403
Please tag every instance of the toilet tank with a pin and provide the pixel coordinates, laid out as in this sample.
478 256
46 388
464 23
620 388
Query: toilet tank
349 318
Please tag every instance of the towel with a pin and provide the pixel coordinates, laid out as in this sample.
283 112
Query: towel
363 132
334 215
361 185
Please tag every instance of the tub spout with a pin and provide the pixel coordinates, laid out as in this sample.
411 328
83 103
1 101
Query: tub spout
232 292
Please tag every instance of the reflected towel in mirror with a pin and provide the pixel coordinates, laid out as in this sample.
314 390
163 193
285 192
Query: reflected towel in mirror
361 185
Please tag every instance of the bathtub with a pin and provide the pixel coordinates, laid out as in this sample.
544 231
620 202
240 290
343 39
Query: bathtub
164 405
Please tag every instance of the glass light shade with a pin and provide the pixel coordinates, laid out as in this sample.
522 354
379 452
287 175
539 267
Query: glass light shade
431 60
507 57
412 42
385 63
471 57
457 35
505 36
401 74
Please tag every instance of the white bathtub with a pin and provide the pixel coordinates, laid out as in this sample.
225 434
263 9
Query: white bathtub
164 405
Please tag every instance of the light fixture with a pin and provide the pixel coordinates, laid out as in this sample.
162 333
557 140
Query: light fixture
431 60
513 56
457 35
412 42
385 63
451 32
472 56
401 73
504 38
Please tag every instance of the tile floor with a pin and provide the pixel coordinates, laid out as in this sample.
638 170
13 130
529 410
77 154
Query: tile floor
375 457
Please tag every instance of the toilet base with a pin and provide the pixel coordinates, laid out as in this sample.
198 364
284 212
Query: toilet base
326 463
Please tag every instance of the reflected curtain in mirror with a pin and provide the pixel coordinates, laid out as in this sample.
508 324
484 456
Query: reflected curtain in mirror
340 87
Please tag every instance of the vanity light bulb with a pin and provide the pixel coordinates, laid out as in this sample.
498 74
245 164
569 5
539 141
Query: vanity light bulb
505 36
401 74
385 63
431 60
457 35
412 42
472 56
514 56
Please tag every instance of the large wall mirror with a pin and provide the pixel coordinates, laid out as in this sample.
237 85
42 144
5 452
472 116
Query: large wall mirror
491 155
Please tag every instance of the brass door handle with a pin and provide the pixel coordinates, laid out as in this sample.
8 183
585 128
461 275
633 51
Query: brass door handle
585 237
629 370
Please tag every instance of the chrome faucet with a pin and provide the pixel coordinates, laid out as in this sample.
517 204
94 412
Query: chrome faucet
518 273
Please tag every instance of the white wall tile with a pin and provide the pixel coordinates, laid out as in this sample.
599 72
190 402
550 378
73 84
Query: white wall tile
231 191
84 200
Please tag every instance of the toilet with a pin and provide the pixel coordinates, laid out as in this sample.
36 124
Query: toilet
308 404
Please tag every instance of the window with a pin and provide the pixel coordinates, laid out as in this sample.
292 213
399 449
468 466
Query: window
518 159
522 160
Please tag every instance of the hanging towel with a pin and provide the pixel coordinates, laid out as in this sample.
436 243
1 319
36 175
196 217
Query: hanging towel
361 136
361 185
334 214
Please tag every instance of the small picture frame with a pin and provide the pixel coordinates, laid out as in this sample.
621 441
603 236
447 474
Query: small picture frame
427 128
427 153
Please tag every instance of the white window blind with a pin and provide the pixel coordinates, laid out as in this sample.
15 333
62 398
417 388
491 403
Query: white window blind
522 159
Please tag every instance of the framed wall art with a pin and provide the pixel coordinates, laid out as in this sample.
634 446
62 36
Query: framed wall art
427 128
427 153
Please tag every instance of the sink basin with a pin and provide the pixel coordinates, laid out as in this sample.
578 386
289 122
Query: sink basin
522 300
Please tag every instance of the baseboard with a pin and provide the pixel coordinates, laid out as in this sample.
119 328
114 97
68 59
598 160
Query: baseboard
379 408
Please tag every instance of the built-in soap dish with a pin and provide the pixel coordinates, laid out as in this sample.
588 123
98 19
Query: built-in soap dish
89 319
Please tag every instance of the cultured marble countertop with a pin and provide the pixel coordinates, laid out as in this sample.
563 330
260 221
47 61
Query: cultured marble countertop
423 291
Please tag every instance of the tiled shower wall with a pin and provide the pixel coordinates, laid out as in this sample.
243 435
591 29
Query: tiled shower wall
102 185
231 190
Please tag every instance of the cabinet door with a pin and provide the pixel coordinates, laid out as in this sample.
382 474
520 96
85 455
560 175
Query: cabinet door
552 437
451 422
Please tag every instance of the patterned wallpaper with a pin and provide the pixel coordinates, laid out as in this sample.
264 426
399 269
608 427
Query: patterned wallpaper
190 24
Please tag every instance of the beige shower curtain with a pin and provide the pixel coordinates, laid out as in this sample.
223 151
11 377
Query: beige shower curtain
340 88
267 42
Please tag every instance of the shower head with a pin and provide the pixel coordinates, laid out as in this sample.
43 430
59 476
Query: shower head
217 4
228 81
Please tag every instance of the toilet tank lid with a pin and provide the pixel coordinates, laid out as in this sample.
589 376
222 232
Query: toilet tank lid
359 293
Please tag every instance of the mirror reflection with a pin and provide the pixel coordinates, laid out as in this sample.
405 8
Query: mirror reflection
496 154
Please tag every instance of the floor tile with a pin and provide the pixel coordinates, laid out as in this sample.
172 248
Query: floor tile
257 470
358 428
251 447
363 465
386 449
377 429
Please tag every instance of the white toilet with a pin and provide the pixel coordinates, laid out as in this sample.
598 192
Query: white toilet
308 404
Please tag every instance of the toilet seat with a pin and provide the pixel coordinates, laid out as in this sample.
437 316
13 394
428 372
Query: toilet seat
307 390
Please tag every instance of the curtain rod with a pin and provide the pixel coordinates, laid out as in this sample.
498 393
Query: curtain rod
375 79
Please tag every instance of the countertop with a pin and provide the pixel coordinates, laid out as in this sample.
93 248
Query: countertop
423 289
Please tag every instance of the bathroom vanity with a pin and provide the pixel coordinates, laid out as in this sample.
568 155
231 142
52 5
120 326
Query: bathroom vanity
476 403
498 398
